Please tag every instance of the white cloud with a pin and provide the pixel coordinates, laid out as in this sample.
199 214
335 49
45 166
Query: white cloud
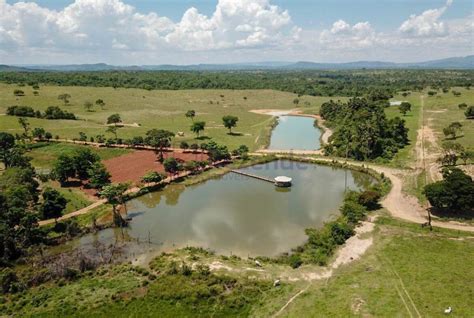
426 24
112 24
345 36
238 30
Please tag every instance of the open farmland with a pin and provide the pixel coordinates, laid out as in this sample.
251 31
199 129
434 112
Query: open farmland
156 109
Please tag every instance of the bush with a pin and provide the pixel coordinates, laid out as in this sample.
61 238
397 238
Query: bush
295 261
152 176
369 199
353 211
469 113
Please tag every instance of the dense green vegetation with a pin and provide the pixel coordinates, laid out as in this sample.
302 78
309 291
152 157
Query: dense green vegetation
315 83
52 112
362 131
455 193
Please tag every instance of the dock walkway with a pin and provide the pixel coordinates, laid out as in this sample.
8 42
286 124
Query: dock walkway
254 176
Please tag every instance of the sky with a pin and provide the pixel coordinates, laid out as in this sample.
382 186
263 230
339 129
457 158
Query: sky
144 32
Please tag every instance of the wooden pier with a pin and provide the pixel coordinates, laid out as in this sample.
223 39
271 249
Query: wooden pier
253 176
281 181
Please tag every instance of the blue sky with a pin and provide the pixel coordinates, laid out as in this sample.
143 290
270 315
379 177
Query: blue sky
169 31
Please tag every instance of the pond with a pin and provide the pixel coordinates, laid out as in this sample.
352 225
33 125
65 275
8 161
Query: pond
238 215
295 133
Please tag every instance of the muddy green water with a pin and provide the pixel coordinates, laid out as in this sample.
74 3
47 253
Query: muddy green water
295 133
234 214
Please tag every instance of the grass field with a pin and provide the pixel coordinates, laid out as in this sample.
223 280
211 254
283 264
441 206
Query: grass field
44 154
407 155
156 109
401 275
442 109
408 272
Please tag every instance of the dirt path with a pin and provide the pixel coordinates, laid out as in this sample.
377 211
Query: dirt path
427 150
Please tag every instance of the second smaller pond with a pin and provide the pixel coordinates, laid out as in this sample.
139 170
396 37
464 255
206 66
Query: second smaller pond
295 133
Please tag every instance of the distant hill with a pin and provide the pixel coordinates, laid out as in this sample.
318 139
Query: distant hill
466 62
8 68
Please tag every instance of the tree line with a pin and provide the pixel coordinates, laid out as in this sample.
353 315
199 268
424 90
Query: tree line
307 82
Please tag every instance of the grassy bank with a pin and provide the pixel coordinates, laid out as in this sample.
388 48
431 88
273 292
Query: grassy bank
408 271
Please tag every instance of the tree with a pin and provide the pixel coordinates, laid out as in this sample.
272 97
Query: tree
404 108
159 139
48 136
53 204
18 221
152 177
82 136
7 141
100 103
197 127
184 145
194 147
190 114
26 127
172 166
10 154
217 152
451 152
453 193
466 155
88 106
65 98
296 101
54 112
462 106
39 133
114 194
112 130
83 160
452 129
18 92
98 176
230 122
242 151
469 113
63 168
114 119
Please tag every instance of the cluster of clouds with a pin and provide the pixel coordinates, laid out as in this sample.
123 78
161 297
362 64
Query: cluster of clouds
420 30
114 26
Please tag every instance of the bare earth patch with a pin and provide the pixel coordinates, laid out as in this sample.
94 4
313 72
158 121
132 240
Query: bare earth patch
133 166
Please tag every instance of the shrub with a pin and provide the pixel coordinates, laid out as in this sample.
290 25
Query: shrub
469 113
353 211
152 176
369 199
295 261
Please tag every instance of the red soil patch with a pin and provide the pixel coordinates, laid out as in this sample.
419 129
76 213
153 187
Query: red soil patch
133 166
